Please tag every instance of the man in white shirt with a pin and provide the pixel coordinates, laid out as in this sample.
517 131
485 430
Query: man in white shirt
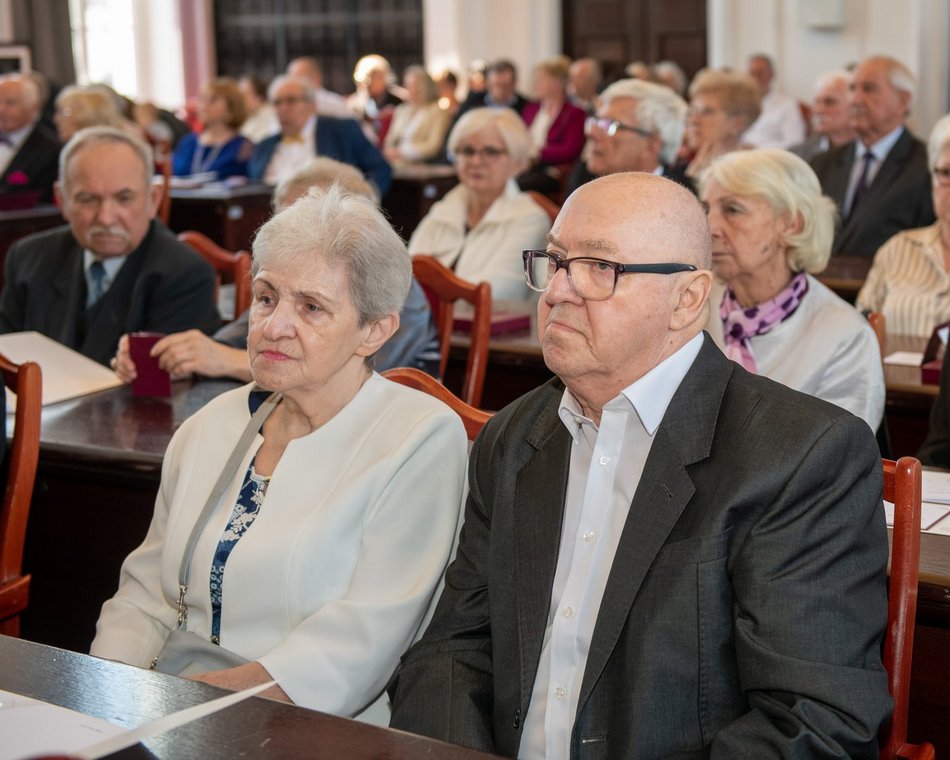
662 555
881 181
780 123
28 150
830 116
303 136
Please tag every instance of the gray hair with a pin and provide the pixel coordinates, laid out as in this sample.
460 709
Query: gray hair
835 76
430 93
900 77
672 75
513 131
105 136
939 139
350 231
659 110
790 187
321 172
305 84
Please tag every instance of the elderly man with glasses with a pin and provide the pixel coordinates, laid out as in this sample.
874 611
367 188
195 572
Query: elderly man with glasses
638 128
663 555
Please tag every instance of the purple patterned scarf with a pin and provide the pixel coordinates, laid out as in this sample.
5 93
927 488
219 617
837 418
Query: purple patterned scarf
739 325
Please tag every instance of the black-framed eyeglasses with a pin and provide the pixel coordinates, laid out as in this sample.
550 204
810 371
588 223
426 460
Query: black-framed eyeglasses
486 152
593 279
610 127
941 175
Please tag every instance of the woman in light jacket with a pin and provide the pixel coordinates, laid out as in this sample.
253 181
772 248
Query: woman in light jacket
418 128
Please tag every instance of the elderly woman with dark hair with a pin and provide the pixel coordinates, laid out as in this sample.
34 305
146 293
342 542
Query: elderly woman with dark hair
220 148
328 527
722 106
480 225
418 128
771 231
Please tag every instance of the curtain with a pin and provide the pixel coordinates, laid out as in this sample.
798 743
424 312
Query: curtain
44 26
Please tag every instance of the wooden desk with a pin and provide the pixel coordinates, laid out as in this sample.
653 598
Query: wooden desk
230 217
99 470
846 274
909 401
413 192
253 728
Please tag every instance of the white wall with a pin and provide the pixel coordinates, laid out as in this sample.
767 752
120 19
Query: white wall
913 31
458 31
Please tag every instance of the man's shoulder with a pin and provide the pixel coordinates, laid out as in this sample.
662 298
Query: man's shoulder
526 418
164 252
832 158
42 138
40 247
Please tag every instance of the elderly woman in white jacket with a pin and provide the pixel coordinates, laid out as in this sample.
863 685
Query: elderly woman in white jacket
481 226
319 560
771 231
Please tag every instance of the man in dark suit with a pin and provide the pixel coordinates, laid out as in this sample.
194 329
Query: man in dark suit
501 81
28 150
303 136
638 128
881 181
662 555
115 269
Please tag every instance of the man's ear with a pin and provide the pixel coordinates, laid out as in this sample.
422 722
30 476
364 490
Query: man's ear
691 299
58 194
155 198
377 333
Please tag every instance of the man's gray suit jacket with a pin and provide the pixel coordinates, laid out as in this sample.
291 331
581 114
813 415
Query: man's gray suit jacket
745 608
163 286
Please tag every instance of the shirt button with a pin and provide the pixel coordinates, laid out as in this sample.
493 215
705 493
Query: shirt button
560 693
604 460
568 612
589 537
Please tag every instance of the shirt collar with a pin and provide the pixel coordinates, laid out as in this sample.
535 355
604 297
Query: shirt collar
649 396
17 137
112 264
882 147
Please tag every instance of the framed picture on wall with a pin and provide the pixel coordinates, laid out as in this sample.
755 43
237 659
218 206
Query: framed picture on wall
14 58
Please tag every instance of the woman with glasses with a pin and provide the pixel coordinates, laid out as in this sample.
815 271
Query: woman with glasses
771 231
909 281
479 228
220 149
722 106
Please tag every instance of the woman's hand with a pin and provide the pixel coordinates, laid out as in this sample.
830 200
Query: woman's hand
243 677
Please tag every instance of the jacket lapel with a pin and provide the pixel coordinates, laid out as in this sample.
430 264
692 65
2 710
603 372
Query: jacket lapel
69 285
684 437
541 483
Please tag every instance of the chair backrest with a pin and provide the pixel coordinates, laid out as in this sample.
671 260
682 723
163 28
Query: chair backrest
163 167
879 325
902 488
445 287
26 381
547 205
230 267
472 418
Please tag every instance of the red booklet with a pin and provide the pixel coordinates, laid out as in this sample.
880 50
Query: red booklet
502 322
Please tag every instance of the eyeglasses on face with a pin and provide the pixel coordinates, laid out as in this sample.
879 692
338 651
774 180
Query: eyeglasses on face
486 152
941 175
591 278
701 113
289 100
610 127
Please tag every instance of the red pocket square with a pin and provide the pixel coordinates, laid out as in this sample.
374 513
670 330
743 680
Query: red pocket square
17 178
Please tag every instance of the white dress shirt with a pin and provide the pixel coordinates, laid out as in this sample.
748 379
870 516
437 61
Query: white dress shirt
111 265
605 469
290 156
780 123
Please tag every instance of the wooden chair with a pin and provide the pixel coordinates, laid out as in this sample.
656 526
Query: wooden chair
472 418
444 287
230 267
902 488
26 381
879 325
163 169
547 205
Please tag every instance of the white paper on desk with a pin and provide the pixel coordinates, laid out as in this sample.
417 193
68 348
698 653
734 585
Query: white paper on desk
66 373
935 486
905 358
941 527
30 728
930 514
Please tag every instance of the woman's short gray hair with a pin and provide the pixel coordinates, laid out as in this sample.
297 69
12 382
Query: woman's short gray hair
511 126
659 110
321 172
789 185
350 231
939 139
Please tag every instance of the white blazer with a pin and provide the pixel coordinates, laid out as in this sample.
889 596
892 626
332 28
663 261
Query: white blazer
328 586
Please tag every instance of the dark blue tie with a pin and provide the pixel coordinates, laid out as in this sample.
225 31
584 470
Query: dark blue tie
97 276
863 183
